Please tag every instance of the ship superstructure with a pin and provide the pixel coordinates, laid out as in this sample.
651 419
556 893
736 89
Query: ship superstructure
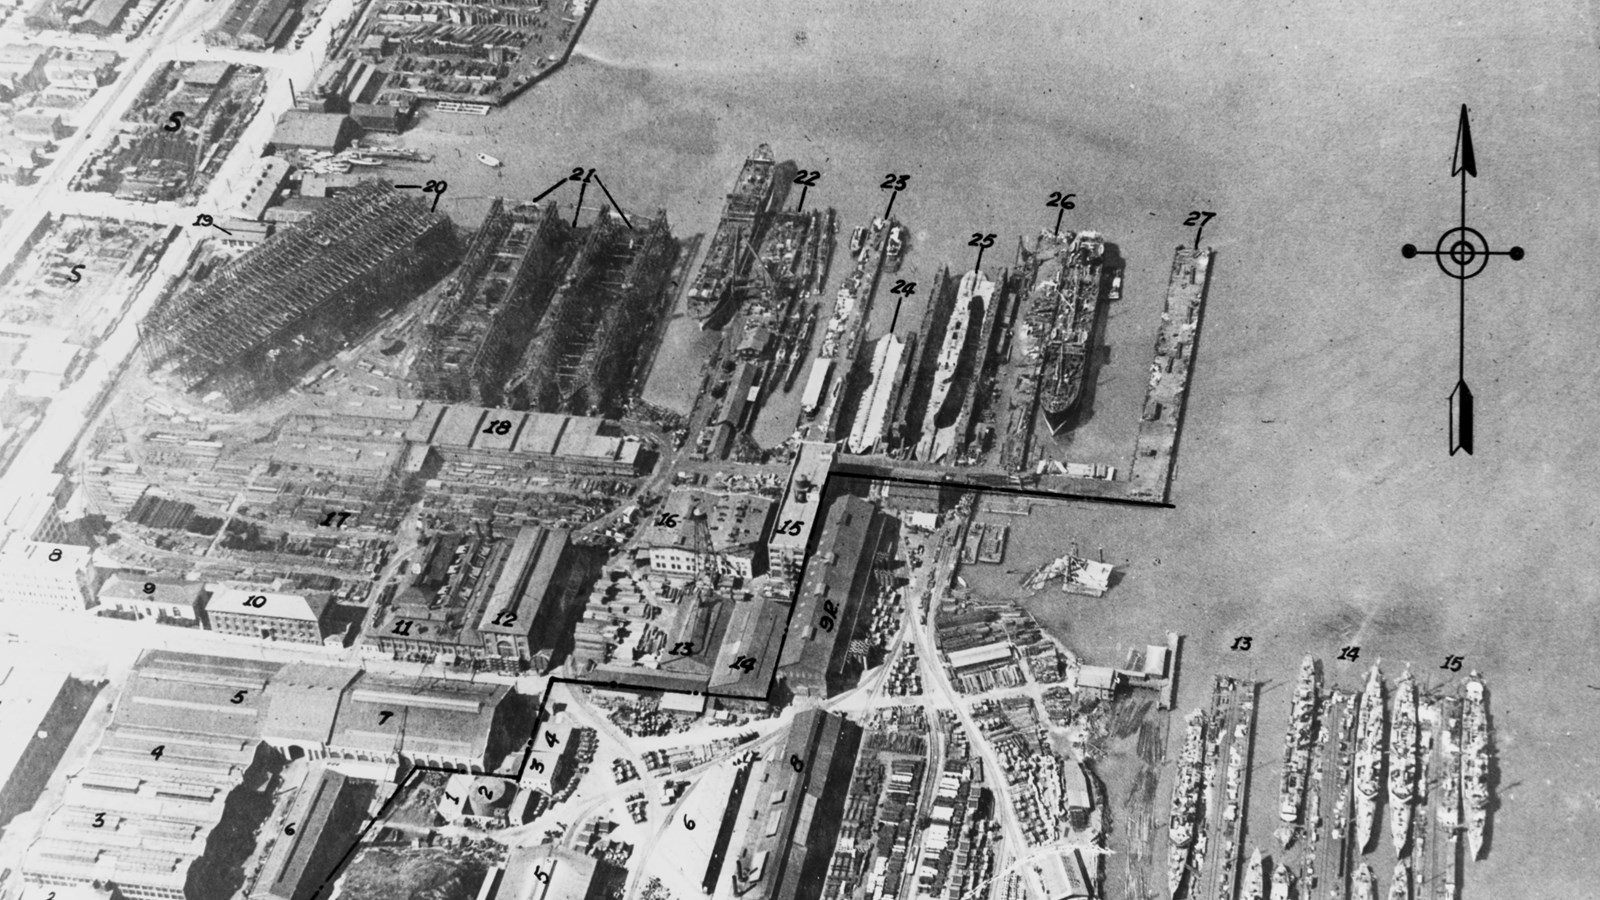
956 354
1370 742
1297 744
1402 760
1186 794
1060 316
1475 763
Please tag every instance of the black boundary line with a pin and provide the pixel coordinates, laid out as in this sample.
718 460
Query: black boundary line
614 205
836 473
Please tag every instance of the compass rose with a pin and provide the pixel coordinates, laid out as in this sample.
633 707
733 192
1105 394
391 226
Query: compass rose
1462 253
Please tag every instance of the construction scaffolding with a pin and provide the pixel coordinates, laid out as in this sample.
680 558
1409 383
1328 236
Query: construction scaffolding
583 353
490 308
262 321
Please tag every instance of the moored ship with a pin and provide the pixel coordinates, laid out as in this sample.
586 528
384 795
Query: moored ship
1254 885
1061 316
1366 883
1369 759
1297 743
1400 888
1403 760
1282 883
712 296
1475 763
1186 790
973 307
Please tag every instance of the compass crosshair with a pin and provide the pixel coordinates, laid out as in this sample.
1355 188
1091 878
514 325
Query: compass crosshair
1461 253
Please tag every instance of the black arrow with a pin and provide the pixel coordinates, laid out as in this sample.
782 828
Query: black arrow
1464 160
1464 164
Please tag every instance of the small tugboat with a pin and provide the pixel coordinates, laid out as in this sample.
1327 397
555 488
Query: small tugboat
1401 889
1282 883
1254 885
488 160
1365 883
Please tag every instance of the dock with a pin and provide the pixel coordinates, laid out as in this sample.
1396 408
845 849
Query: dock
1155 451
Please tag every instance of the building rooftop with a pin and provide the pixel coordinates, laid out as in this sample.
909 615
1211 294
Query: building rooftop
429 718
980 656
303 702
735 521
546 872
247 602
169 591
835 574
803 497
328 802
303 128
524 581
207 73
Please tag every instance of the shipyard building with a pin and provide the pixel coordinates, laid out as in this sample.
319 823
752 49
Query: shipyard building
503 600
802 502
255 326
794 821
143 822
694 526
832 603
545 315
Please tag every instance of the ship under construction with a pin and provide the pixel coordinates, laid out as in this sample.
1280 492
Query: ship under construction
545 315
260 322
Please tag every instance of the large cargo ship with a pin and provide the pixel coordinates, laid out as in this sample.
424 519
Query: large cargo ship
1402 760
1297 743
1369 760
974 305
1186 790
712 297
1060 318
1475 763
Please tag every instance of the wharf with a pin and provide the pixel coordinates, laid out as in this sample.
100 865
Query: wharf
1155 451
1232 720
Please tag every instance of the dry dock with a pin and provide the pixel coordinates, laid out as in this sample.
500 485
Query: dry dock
1156 449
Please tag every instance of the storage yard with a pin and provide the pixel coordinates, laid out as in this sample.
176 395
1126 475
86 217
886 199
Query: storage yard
460 53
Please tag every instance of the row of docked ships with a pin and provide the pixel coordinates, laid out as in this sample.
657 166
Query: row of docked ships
1387 758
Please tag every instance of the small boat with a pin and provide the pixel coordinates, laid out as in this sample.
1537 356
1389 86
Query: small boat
1282 882
1254 886
488 160
363 160
1365 882
856 239
1401 888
